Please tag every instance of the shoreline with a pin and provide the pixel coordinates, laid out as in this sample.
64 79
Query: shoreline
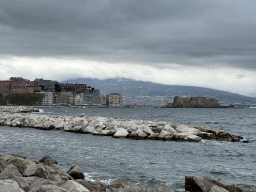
118 128
17 173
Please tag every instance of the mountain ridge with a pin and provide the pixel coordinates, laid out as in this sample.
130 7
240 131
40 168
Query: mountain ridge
145 93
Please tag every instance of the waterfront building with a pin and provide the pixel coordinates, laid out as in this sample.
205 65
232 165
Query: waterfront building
92 97
60 99
17 85
114 100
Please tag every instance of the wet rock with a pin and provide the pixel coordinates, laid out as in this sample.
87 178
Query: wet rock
207 136
75 172
206 184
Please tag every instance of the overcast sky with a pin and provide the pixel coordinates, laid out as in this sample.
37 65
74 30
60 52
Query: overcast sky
206 43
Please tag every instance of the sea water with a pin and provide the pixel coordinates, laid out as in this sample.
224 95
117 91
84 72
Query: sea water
147 162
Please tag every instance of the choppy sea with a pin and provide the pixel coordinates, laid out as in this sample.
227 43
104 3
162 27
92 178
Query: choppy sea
147 162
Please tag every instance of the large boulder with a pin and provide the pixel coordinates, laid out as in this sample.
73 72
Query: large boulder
10 171
23 184
9 185
73 186
92 186
47 160
20 162
206 184
187 129
193 138
121 132
163 134
35 170
141 134
57 175
76 172
2 164
42 185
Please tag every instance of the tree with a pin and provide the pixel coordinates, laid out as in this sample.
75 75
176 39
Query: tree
1 99
23 98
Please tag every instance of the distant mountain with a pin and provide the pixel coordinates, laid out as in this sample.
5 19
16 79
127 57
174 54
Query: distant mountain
148 93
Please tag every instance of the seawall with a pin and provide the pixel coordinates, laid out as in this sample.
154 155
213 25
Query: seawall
118 128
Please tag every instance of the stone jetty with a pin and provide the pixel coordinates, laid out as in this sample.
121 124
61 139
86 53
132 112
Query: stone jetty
18 109
118 128
19 174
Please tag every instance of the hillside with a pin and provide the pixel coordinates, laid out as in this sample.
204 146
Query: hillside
148 93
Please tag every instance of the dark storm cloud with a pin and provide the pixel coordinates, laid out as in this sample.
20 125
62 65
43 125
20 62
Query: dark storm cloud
188 32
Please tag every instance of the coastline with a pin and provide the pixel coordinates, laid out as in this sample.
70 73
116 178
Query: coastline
20 174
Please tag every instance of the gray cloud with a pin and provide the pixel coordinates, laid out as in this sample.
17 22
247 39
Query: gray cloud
149 32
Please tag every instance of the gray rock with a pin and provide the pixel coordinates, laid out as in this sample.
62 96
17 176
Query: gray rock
9 186
36 185
10 171
207 136
72 186
130 186
23 184
204 184
193 138
164 188
56 175
35 170
133 134
121 132
164 134
141 134
216 188
76 172
2 164
47 160
93 186
51 188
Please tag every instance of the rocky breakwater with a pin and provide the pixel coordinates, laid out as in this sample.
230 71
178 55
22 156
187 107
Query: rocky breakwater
18 109
19 174
118 128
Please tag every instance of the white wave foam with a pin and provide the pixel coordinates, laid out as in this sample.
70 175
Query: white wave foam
88 177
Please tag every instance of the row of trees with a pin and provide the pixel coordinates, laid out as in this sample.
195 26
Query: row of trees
21 99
